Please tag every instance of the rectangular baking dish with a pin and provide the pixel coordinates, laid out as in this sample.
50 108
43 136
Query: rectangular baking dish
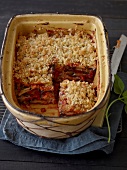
24 24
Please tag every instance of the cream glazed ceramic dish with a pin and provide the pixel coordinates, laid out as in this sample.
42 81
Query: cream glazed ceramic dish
45 126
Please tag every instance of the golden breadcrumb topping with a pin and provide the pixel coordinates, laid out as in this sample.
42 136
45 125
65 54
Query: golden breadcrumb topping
76 96
36 52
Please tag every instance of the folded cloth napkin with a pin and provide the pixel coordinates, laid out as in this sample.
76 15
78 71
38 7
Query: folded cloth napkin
94 138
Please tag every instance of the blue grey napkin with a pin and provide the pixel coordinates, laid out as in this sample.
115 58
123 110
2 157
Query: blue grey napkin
94 138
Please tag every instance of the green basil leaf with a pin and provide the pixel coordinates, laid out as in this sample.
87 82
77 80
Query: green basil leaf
125 100
124 93
118 85
125 108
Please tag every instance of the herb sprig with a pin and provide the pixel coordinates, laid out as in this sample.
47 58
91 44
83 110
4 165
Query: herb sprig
119 89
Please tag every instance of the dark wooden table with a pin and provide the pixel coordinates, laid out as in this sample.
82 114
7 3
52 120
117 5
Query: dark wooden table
114 14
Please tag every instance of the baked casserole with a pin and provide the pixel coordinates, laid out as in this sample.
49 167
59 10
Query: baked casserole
47 62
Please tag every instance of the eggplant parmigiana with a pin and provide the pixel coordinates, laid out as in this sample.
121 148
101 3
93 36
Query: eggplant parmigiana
56 68
76 97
